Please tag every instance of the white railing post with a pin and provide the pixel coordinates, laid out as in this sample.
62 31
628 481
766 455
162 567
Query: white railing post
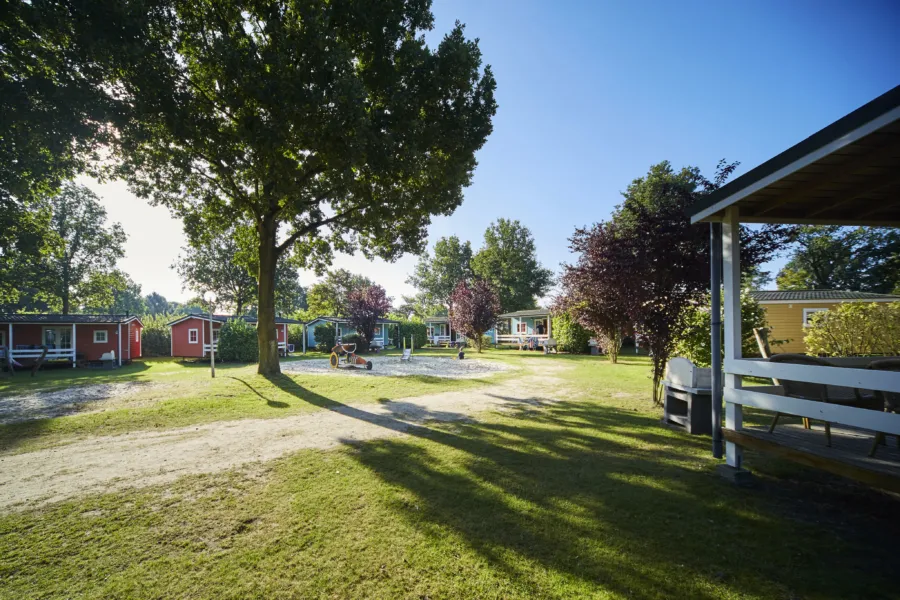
731 267
119 334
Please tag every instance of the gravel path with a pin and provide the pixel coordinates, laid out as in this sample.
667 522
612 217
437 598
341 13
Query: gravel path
43 404
103 464
392 366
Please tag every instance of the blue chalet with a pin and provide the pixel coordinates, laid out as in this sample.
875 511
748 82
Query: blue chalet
440 332
342 327
524 327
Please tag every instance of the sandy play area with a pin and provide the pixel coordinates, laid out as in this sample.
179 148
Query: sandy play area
468 368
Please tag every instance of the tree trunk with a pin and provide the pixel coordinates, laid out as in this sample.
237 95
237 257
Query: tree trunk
265 327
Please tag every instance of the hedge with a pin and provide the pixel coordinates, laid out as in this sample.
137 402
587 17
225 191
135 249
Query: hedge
156 338
238 342
324 336
856 329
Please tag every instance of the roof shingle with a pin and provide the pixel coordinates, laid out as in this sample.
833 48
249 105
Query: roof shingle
826 295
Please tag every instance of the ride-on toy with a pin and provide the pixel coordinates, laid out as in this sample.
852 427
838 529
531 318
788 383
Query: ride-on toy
351 358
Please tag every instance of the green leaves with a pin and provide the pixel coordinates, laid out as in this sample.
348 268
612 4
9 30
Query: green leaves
508 261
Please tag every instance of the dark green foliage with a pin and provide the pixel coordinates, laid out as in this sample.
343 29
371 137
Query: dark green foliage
508 262
295 336
156 338
437 275
570 336
238 342
325 337
408 328
829 257
362 346
331 296
329 126
694 341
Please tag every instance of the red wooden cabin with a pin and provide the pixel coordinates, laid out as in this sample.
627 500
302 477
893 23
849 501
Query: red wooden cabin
191 333
71 337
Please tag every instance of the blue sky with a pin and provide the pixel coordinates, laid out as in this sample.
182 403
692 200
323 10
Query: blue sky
591 94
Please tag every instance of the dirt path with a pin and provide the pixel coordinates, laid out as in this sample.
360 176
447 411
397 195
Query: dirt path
103 464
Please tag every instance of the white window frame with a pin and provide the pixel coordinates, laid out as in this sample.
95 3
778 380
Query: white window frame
105 339
377 331
521 327
196 336
137 335
809 312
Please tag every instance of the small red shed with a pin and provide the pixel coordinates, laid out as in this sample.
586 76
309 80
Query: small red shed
71 337
191 333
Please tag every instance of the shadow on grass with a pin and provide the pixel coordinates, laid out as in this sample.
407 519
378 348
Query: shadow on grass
607 498
269 401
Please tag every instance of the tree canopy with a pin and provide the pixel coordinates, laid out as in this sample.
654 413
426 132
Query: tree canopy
437 275
327 125
474 307
331 296
843 258
508 262
365 305
84 250
225 267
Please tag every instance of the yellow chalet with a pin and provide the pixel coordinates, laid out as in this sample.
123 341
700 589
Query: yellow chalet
788 312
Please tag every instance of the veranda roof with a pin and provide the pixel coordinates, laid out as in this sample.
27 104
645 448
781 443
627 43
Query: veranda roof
815 295
55 318
846 174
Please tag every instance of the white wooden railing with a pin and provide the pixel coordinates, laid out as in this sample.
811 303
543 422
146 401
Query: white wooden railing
521 337
207 347
437 340
851 377
52 353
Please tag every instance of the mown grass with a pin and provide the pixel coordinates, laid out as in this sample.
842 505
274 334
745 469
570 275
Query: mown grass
183 393
590 497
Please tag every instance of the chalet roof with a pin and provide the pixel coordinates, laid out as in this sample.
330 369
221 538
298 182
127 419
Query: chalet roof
813 295
531 312
344 320
57 318
226 318
437 319
846 174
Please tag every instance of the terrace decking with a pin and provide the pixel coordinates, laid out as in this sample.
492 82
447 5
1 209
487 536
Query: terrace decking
848 455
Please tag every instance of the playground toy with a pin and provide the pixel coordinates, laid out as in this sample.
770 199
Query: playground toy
351 358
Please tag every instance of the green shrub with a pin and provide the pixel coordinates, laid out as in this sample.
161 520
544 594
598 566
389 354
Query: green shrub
354 338
156 338
570 336
856 329
694 343
238 342
407 328
324 336
295 336
486 341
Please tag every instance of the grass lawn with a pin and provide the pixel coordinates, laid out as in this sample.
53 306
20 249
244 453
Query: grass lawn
590 497
183 393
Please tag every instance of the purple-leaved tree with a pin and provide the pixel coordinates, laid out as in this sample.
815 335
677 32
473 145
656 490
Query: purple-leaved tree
474 307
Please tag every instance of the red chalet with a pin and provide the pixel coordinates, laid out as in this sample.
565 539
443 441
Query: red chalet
191 335
72 338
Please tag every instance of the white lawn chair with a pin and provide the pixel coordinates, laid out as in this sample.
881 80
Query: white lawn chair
407 354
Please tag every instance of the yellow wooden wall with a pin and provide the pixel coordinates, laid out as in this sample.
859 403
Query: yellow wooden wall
786 322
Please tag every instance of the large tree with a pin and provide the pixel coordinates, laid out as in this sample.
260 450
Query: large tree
225 267
365 306
650 263
474 307
85 247
508 261
113 292
843 258
437 275
156 304
328 125
331 296
596 290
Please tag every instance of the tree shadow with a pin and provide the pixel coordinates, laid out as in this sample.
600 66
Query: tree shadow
269 401
606 497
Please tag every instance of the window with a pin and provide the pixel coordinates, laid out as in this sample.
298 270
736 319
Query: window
521 327
193 336
808 314
215 335
378 331
137 335
101 336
